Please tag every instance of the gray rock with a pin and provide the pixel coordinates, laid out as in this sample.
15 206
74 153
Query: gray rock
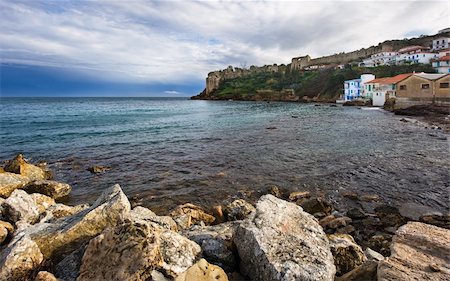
68 268
148 215
217 243
20 206
282 242
53 189
238 210
66 234
129 251
418 252
365 272
10 182
19 259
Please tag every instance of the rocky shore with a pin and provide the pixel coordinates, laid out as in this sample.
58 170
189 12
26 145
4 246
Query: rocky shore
281 237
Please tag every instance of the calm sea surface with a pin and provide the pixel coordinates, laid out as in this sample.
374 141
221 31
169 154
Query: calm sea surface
165 152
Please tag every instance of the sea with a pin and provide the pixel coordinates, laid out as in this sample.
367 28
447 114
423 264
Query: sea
168 151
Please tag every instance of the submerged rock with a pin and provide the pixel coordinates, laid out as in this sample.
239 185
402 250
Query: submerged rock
19 259
203 271
282 242
98 169
238 210
189 214
346 253
316 205
65 234
418 252
126 252
10 182
53 189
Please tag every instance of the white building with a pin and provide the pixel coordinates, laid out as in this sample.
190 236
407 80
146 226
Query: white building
441 43
383 58
442 64
422 57
354 89
414 54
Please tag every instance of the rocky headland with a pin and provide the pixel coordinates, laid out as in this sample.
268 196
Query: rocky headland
280 237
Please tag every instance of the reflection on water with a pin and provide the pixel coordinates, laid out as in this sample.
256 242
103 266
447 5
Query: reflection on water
164 152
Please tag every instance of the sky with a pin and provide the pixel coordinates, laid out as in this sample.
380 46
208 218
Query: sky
167 48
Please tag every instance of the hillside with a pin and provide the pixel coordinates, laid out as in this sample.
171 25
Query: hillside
292 82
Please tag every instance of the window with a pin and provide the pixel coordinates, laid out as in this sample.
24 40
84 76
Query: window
444 85
402 87
425 86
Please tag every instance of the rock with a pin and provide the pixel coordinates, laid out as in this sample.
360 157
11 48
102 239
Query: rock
346 253
297 195
158 276
45 276
20 166
43 202
282 242
370 198
414 248
60 210
203 271
66 234
19 259
178 253
8 226
68 268
389 215
436 219
217 243
350 195
3 234
129 251
238 210
334 223
346 229
275 191
380 242
148 215
188 214
218 214
20 206
98 169
316 205
324 221
365 272
53 189
10 182
356 213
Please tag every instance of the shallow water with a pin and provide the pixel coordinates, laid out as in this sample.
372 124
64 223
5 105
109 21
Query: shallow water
164 152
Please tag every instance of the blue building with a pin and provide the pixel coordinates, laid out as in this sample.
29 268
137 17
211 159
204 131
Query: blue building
352 89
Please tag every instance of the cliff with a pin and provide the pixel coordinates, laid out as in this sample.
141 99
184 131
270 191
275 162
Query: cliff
291 82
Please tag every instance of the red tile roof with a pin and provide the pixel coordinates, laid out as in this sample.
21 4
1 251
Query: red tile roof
444 58
391 80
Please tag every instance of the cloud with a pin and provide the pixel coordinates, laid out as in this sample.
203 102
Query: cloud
180 41
172 92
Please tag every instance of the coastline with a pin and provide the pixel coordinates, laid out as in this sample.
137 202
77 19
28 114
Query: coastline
214 239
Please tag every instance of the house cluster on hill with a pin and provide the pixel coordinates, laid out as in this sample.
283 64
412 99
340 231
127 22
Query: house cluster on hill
407 89
438 55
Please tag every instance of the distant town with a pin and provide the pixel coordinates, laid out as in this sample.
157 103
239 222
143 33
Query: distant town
409 88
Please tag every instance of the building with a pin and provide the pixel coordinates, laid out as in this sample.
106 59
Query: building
445 30
415 54
354 89
381 89
441 43
383 58
423 88
442 63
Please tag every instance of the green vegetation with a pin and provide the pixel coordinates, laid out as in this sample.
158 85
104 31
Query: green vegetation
326 84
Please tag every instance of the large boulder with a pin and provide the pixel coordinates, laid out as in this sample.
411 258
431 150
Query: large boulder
53 189
189 214
19 259
142 213
10 182
282 242
20 166
203 271
238 210
129 251
217 243
20 206
418 252
346 253
67 234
